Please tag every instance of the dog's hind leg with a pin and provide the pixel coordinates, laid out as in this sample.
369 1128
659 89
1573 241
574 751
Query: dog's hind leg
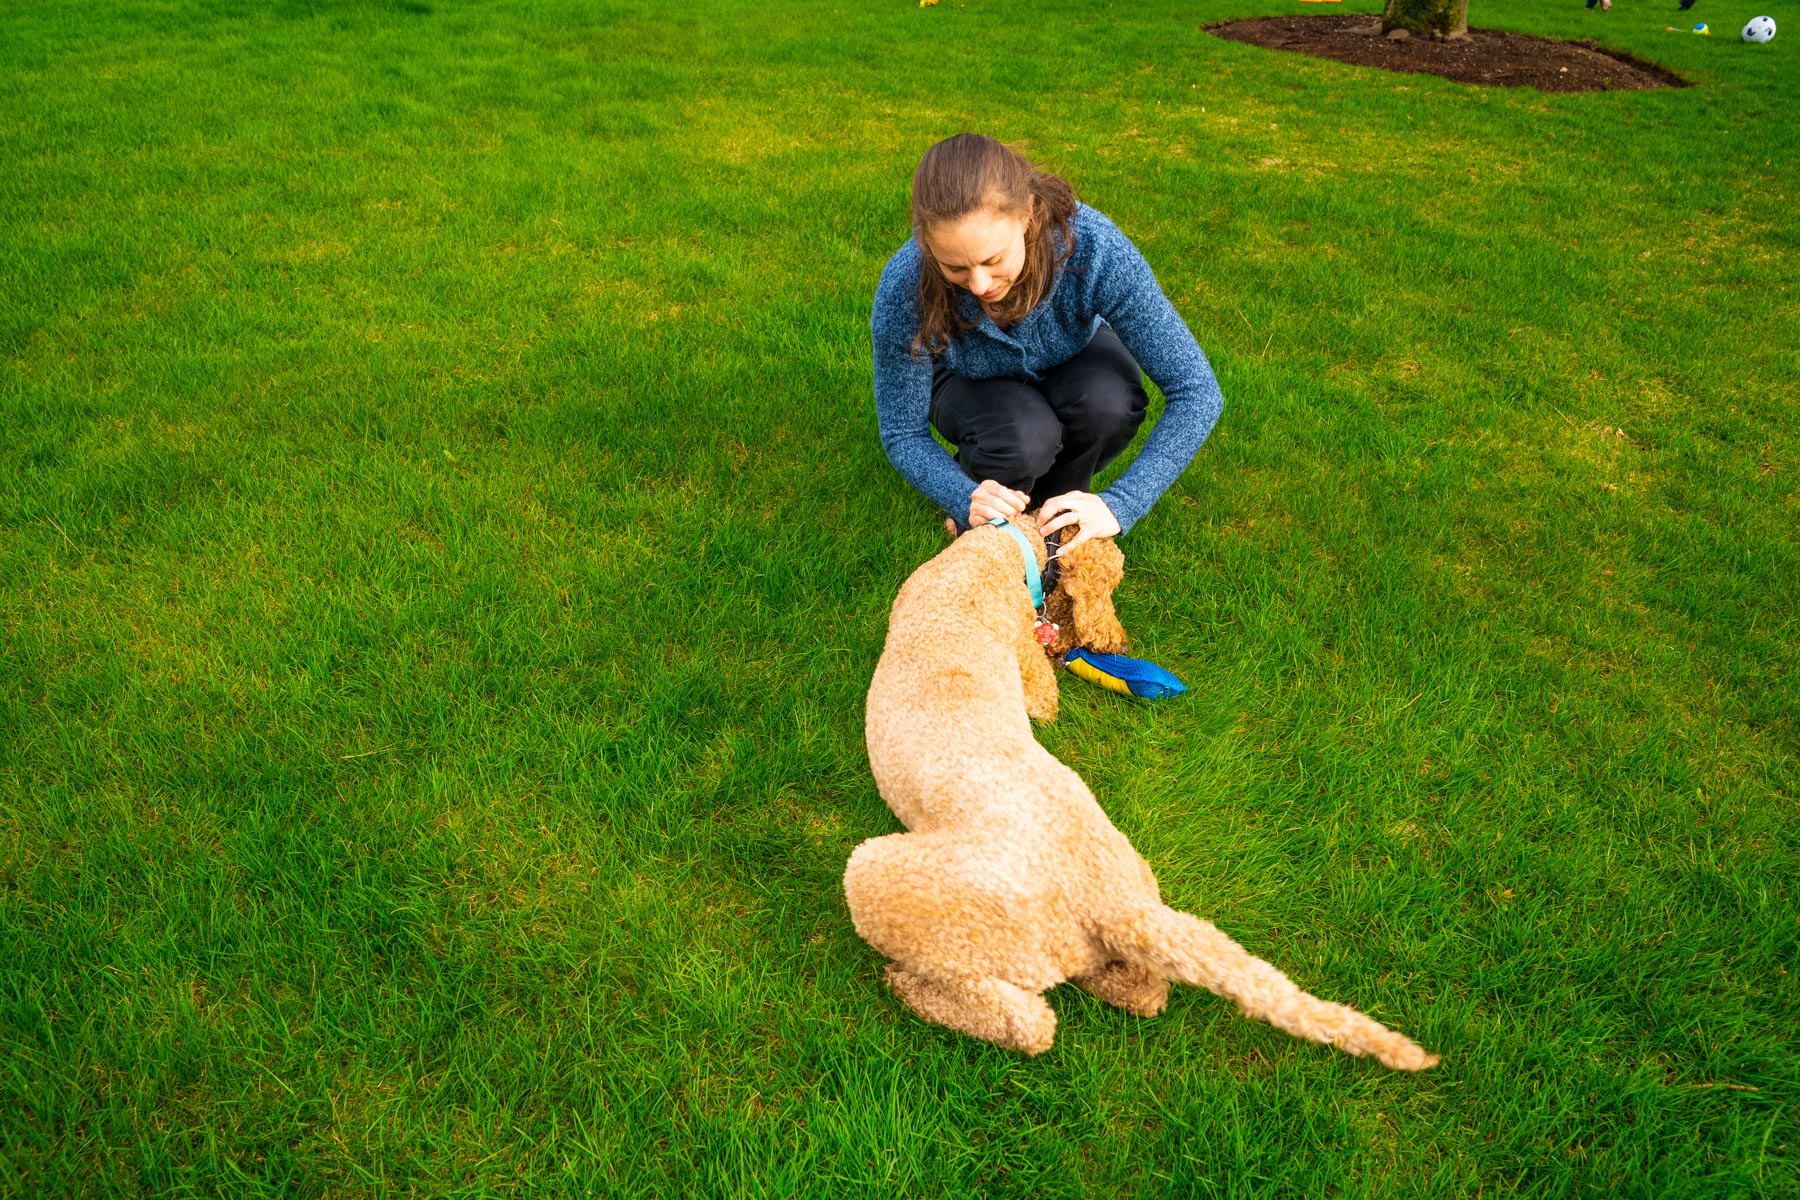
931 904
1129 986
990 1009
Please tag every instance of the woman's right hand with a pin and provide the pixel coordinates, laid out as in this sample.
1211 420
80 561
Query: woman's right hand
993 502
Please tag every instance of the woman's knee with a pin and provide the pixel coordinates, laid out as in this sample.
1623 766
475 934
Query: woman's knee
1115 409
1107 414
1004 429
1099 395
1014 452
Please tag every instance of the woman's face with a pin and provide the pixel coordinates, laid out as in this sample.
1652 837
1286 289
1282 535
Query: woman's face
983 251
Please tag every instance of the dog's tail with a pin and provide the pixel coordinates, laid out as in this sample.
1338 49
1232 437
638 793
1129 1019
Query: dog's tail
1188 950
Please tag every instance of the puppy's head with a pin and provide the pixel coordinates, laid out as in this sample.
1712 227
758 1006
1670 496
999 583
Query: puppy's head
1080 603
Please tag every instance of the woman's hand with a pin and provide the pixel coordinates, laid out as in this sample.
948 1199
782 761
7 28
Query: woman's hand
1077 508
992 502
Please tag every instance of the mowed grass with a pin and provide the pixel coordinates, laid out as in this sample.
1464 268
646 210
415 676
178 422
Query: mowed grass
444 544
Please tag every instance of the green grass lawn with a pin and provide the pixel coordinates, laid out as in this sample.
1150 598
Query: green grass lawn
444 544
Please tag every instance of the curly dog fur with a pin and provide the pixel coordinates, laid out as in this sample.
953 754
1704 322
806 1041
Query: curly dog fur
1010 879
1080 605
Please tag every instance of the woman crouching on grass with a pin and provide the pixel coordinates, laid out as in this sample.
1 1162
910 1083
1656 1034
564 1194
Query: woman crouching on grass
1014 321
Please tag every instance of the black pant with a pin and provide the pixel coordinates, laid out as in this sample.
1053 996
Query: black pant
1048 437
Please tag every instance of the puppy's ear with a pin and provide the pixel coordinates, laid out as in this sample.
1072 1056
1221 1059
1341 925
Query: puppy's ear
1082 603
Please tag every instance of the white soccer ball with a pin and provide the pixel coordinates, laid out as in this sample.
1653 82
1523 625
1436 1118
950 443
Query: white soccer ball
1760 29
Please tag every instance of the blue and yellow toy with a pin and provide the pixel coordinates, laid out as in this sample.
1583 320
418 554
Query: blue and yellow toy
1126 676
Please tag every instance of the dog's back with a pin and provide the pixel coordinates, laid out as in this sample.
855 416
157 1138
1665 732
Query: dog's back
948 708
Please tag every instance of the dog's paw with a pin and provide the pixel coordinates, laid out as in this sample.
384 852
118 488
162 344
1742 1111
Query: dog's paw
1033 1027
1136 989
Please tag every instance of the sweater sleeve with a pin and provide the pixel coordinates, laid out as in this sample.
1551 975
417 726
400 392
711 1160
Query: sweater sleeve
1127 297
903 400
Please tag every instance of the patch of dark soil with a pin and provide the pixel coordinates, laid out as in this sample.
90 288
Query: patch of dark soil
1487 56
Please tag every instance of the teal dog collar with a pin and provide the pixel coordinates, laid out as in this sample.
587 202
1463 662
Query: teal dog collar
1033 579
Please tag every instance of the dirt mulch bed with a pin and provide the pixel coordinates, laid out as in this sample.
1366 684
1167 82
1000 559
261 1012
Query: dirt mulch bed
1487 56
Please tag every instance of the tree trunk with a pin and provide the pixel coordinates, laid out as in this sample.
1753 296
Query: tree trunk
1431 18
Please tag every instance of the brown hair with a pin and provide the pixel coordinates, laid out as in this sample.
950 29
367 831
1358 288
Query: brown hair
969 173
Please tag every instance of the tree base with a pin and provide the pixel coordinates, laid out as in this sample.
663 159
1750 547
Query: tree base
1491 57
1439 20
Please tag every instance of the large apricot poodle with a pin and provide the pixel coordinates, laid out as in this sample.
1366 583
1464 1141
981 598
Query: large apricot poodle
1010 879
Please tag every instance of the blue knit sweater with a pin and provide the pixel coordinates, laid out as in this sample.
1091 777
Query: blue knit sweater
1106 279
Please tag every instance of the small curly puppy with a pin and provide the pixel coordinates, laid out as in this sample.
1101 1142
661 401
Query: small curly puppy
1080 586
1010 879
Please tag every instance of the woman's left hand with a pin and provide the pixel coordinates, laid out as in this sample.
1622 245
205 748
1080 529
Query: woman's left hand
1077 508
